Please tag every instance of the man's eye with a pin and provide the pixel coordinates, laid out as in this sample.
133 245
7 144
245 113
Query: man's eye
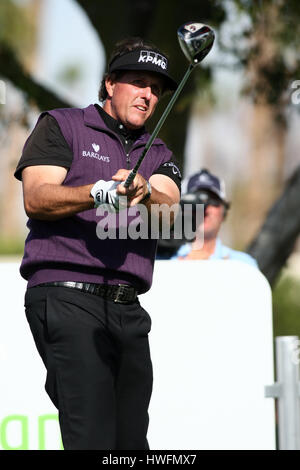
138 83
155 90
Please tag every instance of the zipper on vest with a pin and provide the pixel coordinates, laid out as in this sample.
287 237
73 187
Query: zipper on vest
128 161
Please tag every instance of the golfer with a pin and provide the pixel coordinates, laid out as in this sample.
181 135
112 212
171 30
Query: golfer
81 300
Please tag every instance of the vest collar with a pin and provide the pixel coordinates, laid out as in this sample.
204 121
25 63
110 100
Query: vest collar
92 118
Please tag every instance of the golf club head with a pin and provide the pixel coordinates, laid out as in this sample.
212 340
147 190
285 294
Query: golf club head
196 40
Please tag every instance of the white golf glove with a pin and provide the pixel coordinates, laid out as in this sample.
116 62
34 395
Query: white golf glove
105 194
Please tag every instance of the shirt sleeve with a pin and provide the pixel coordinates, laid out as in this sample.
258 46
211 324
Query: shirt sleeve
45 146
170 168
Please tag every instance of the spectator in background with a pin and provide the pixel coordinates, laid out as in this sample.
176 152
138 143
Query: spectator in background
206 188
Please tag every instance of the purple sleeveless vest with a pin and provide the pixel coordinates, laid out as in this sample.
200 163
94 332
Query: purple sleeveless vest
69 249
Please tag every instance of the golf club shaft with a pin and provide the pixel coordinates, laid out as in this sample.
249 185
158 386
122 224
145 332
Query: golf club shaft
134 171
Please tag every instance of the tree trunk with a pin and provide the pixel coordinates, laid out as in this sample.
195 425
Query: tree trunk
276 239
12 70
267 125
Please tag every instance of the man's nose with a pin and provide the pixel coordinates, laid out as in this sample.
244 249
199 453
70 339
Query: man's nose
208 208
147 92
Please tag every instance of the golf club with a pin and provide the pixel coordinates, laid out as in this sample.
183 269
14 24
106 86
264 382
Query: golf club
196 40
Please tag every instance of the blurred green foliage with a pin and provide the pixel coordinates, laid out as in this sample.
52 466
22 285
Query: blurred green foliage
17 27
269 49
286 306
11 246
69 74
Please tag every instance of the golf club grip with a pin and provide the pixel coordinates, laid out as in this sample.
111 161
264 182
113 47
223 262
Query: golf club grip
133 172
130 178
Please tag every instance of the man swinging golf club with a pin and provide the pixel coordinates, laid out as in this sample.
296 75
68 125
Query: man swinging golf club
82 295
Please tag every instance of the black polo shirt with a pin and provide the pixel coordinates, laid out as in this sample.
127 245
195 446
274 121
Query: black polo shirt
47 146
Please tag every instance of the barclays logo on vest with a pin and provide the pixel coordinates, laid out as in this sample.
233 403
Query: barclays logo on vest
96 147
95 154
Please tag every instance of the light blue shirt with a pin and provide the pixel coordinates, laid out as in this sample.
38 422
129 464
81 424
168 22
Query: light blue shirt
221 252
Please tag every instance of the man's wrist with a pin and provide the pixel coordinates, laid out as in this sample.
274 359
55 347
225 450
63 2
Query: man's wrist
148 195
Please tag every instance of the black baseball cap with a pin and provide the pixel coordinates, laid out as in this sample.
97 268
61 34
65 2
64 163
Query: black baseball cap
146 60
204 180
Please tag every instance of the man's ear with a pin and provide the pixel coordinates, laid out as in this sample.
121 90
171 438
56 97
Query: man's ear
110 85
226 208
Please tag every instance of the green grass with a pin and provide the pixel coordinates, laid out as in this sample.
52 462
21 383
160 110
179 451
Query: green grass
11 246
286 306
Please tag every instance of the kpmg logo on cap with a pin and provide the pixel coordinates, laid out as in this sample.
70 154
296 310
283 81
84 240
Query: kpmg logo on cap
154 58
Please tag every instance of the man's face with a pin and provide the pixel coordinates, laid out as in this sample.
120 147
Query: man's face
213 218
132 98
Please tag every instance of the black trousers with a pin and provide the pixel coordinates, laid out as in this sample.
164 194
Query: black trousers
99 370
